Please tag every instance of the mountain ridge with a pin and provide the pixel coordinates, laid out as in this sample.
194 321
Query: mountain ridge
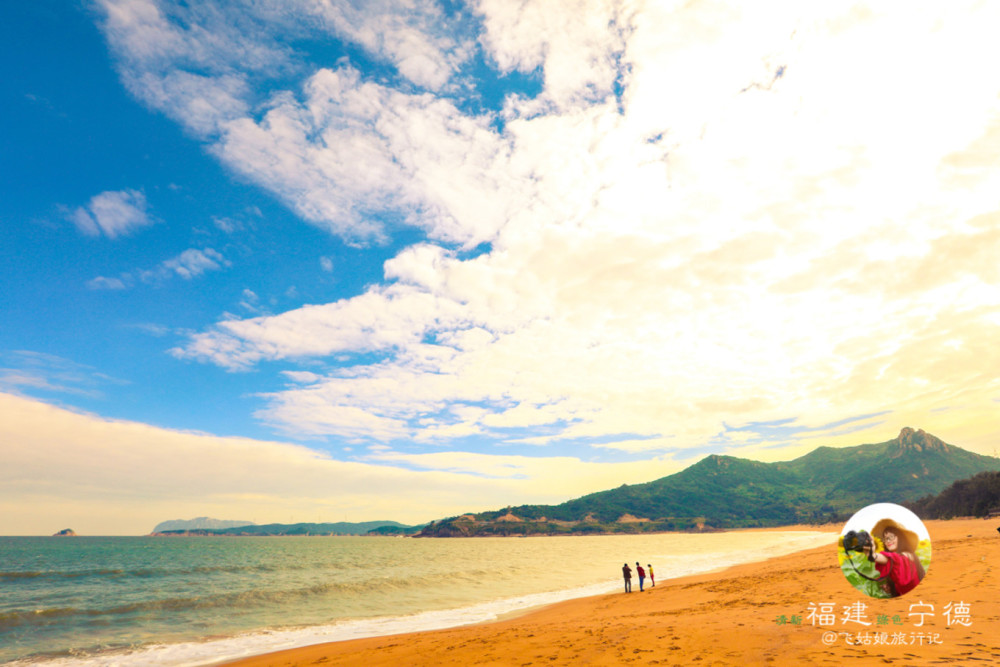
722 491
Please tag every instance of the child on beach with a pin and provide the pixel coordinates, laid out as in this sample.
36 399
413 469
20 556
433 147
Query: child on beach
652 579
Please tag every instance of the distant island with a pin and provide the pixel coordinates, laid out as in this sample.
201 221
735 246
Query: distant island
719 492
200 523
65 532
370 528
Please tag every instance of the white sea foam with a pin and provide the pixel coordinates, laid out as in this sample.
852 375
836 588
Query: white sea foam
215 651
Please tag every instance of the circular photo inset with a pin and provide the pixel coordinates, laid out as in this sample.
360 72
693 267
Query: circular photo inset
884 550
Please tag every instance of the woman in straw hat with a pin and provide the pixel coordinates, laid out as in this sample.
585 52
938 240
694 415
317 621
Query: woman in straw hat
898 562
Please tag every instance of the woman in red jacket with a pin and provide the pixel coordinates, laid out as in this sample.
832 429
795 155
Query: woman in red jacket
898 562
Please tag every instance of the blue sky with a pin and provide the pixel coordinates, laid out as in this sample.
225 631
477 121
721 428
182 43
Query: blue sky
476 254
79 135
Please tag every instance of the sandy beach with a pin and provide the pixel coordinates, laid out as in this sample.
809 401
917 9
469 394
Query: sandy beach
795 607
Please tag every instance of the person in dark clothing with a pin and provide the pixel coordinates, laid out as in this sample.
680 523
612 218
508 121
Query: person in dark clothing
627 573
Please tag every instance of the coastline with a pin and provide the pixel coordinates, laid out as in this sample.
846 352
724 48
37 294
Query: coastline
376 588
725 616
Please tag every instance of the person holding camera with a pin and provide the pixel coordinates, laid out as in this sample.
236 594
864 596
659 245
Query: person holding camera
897 563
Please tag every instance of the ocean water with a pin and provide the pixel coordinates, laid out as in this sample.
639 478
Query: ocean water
197 601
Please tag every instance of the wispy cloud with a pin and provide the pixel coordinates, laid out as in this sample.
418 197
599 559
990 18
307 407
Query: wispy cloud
227 225
112 214
30 371
188 265
192 263
102 282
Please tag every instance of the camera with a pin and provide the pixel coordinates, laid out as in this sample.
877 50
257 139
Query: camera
857 540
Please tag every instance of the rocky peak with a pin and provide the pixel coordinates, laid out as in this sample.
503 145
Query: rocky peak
909 440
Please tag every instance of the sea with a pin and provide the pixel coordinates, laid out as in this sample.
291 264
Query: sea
172 601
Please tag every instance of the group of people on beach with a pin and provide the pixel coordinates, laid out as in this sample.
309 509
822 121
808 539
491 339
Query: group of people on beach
641 573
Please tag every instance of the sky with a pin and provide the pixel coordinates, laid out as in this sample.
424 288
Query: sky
322 260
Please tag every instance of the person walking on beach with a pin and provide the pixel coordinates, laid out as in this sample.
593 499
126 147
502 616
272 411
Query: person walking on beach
627 573
642 574
652 579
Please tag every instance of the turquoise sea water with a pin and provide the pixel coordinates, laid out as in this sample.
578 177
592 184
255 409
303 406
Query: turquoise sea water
194 601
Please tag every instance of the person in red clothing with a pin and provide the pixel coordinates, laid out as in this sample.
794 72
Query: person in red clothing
642 574
899 558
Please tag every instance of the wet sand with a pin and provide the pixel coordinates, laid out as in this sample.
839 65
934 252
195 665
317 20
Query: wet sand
771 612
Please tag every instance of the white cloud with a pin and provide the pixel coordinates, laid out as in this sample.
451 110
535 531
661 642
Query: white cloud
354 150
362 323
713 213
112 214
344 150
199 63
576 44
197 74
301 376
415 36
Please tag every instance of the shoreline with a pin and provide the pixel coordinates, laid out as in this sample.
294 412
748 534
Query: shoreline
488 614
694 618
485 614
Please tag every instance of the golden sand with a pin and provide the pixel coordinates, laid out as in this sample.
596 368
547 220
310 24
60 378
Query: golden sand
781 611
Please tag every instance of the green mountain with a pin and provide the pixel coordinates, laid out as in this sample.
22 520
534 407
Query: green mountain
304 529
828 484
978 496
